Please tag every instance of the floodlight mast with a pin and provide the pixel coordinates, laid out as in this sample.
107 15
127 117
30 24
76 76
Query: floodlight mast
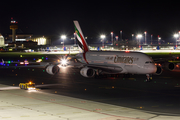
176 36
145 38
112 38
102 37
63 37
139 36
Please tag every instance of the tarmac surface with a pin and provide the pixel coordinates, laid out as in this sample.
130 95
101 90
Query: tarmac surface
70 96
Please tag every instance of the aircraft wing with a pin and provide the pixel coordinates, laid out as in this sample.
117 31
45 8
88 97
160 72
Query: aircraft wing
10 64
73 62
174 59
106 69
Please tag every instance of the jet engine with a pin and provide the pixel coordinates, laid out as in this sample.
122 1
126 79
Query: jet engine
52 69
87 72
159 70
168 66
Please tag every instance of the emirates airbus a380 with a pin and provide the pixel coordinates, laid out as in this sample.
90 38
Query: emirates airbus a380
106 62
111 62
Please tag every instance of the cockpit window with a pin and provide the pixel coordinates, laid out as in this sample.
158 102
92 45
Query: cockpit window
148 62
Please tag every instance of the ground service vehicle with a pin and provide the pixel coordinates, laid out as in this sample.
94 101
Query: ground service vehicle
27 86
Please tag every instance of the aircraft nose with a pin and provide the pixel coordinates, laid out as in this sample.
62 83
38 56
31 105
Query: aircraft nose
153 68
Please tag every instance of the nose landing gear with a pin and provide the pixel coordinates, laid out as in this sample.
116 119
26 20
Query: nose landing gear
149 78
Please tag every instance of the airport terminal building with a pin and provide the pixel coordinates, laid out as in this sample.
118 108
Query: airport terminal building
1 41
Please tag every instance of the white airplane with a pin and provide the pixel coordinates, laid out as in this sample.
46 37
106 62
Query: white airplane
110 62
105 62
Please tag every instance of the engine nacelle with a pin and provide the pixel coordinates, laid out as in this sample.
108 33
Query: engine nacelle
159 70
168 66
52 69
87 72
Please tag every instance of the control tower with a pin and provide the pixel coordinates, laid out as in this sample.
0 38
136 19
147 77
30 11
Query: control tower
13 27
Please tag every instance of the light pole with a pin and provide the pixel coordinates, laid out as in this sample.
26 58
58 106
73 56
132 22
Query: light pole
132 36
102 37
63 37
159 40
151 38
176 36
145 37
75 38
112 38
139 36
121 35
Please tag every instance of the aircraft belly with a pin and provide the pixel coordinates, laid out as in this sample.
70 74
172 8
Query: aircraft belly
131 69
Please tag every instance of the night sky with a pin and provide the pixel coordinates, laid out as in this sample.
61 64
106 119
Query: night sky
95 18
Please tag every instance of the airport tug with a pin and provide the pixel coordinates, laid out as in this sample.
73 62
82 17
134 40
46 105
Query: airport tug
27 86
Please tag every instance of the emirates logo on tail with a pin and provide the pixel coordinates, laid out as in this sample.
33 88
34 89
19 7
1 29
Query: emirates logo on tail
81 41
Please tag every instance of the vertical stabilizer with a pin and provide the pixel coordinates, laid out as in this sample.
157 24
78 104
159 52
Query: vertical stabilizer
81 41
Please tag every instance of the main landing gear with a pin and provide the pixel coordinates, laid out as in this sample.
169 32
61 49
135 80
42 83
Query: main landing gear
149 77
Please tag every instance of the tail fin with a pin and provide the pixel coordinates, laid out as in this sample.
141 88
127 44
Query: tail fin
81 41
